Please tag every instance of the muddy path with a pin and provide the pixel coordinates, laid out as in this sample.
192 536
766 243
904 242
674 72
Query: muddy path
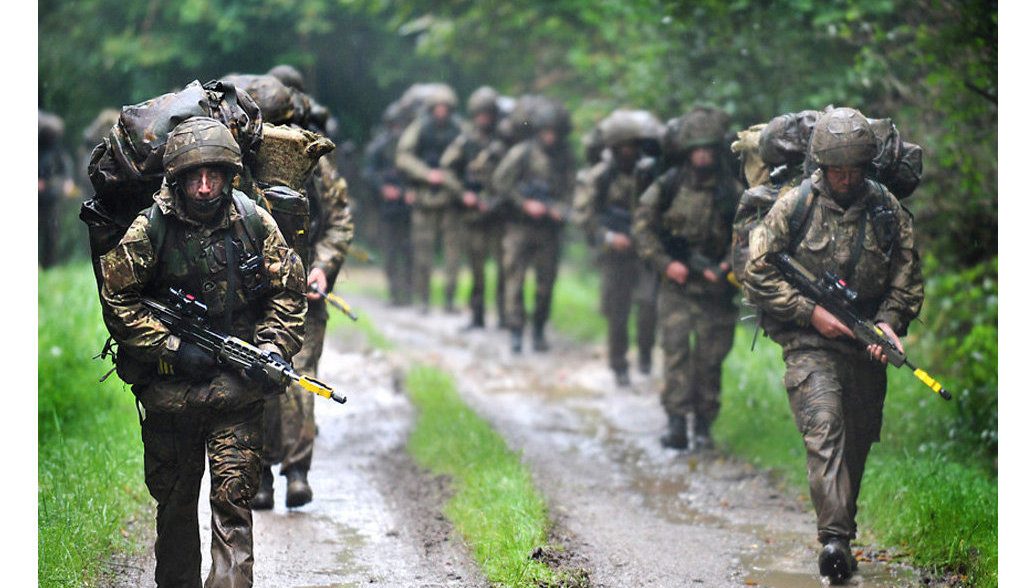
626 511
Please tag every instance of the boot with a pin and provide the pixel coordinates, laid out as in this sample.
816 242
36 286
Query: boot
622 378
263 499
836 561
539 342
644 364
477 322
676 435
702 434
516 340
299 492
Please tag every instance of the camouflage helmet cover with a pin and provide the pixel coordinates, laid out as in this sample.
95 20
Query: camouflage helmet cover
200 140
550 114
484 99
703 126
842 137
440 94
275 99
785 138
629 125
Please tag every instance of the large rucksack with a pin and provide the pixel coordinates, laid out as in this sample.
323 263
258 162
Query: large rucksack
126 167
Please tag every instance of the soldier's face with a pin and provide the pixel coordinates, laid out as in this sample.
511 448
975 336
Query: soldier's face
703 157
204 183
441 112
548 137
843 180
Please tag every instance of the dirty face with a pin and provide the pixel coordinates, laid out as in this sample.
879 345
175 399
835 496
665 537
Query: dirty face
703 157
548 137
203 188
843 180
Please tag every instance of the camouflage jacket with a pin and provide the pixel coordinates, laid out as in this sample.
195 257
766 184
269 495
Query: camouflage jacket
677 218
604 201
330 221
419 151
134 269
469 163
887 277
530 171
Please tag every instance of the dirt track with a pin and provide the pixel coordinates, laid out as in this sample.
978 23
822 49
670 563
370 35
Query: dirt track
627 511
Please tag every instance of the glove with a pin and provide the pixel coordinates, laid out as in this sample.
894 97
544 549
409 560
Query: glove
193 361
262 377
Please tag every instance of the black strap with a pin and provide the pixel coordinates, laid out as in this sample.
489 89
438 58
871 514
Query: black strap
802 214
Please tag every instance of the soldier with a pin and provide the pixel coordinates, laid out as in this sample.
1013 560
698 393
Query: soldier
202 236
436 212
682 227
290 426
536 177
54 182
469 162
604 202
393 205
856 229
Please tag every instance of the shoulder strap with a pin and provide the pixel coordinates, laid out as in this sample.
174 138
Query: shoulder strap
667 182
253 225
602 183
806 200
156 228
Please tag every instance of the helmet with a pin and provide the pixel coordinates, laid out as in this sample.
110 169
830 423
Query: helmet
785 138
288 75
629 125
701 127
842 137
483 99
440 94
549 114
200 140
273 97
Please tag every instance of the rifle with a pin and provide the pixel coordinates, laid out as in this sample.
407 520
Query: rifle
679 249
617 220
833 295
540 191
185 317
335 301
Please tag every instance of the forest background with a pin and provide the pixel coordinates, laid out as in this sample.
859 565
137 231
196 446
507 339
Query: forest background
930 65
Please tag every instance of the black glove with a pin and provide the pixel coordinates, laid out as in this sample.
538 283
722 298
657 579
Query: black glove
193 361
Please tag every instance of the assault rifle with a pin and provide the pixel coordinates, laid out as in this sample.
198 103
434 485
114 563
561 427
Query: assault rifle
186 318
335 301
540 191
679 249
834 295
617 220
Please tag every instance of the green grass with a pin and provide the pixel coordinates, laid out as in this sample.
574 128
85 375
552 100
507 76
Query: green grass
90 458
496 507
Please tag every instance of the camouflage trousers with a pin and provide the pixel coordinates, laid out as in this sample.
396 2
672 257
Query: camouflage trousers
397 250
289 427
697 332
535 245
626 280
837 398
175 451
485 240
429 225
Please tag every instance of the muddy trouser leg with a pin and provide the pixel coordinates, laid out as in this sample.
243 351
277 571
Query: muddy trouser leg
546 258
516 261
836 399
496 243
713 329
453 243
174 462
478 255
645 296
298 424
233 443
675 322
616 303
424 224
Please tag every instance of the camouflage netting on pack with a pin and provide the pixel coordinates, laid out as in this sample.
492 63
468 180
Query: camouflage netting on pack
288 156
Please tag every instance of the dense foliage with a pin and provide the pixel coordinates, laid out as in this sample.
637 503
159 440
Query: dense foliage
930 65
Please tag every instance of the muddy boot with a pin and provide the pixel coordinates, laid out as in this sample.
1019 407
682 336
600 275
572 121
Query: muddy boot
702 434
676 435
622 378
644 364
299 492
263 499
477 322
539 342
836 561
516 340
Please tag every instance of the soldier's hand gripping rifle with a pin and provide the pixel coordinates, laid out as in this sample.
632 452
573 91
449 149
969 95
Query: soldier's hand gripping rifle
335 301
185 318
834 296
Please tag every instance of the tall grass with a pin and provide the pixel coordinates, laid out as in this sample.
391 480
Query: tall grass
496 507
90 458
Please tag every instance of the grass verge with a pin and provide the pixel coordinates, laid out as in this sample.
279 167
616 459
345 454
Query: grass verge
496 507
90 462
